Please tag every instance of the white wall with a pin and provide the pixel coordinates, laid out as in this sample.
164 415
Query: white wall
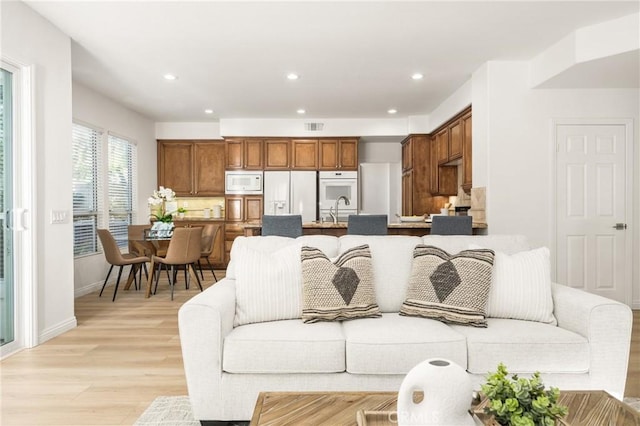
380 152
513 139
29 39
296 127
190 130
95 109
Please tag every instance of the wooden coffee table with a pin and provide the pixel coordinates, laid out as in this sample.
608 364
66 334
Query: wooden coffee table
341 408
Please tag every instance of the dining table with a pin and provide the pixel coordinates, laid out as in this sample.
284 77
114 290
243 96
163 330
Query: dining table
147 243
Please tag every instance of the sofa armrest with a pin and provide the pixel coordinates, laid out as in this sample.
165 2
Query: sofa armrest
606 324
204 321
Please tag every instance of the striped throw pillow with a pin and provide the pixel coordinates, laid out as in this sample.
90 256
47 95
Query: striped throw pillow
337 291
449 288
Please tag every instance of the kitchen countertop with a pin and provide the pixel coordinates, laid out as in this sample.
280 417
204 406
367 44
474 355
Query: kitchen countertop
338 229
198 219
340 225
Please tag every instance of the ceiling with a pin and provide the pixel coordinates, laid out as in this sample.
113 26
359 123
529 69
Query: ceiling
354 59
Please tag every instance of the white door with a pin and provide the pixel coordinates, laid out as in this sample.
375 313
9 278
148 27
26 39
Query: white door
593 208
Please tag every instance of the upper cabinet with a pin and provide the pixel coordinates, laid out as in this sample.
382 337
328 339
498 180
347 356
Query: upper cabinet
277 154
174 166
304 153
452 147
244 154
338 154
455 140
192 168
467 152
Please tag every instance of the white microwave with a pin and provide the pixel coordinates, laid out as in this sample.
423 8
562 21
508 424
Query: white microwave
242 182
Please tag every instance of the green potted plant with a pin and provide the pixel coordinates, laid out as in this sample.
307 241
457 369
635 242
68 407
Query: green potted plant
519 401
181 212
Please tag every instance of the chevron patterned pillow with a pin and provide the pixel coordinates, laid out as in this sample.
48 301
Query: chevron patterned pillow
449 288
337 291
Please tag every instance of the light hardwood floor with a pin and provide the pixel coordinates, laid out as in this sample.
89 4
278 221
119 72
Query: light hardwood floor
120 357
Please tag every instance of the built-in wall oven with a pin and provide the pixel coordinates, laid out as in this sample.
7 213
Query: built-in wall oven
332 186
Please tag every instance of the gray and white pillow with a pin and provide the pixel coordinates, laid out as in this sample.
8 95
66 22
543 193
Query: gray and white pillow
449 288
340 290
268 285
521 286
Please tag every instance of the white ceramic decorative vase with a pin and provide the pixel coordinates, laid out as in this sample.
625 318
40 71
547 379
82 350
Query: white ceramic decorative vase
447 395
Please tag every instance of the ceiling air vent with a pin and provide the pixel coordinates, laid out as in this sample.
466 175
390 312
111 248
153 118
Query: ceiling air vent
313 127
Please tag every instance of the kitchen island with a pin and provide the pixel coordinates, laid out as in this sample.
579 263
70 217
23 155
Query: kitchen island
337 229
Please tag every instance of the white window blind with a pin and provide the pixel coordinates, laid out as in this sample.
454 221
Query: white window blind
122 196
86 189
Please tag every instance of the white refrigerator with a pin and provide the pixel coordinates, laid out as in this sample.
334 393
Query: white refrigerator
381 189
291 193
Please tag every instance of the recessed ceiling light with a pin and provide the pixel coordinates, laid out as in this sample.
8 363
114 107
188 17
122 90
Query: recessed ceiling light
417 76
208 111
293 76
301 111
392 111
170 77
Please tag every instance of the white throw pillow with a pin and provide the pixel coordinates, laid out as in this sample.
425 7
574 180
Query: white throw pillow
521 286
268 285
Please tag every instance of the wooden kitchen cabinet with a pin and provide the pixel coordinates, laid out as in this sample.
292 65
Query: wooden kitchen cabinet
252 208
304 153
467 152
174 164
208 170
338 154
443 180
455 140
239 209
243 208
277 154
407 193
415 176
244 154
192 168
442 146
407 154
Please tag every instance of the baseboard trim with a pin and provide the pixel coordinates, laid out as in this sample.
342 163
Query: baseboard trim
57 330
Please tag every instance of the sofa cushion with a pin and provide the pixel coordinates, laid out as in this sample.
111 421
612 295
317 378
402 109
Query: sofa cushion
449 288
455 243
287 346
391 256
271 243
395 344
268 285
521 287
524 347
328 244
337 291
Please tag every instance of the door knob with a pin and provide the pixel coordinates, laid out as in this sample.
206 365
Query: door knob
620 226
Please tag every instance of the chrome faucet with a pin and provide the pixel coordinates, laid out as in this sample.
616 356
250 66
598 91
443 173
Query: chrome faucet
346 203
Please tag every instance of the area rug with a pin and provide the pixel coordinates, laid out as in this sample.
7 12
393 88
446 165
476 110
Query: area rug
171 411
168 411
176 411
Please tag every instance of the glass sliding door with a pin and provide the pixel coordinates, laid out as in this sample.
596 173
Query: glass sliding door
7 289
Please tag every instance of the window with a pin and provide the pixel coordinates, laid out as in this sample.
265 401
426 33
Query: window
86 189
122 172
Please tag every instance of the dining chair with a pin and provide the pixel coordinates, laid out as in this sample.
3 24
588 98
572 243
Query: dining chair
209 235
289 225
137 242
367 224
116 258
451 225
184 249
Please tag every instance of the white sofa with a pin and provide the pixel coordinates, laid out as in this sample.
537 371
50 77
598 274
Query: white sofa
226 366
